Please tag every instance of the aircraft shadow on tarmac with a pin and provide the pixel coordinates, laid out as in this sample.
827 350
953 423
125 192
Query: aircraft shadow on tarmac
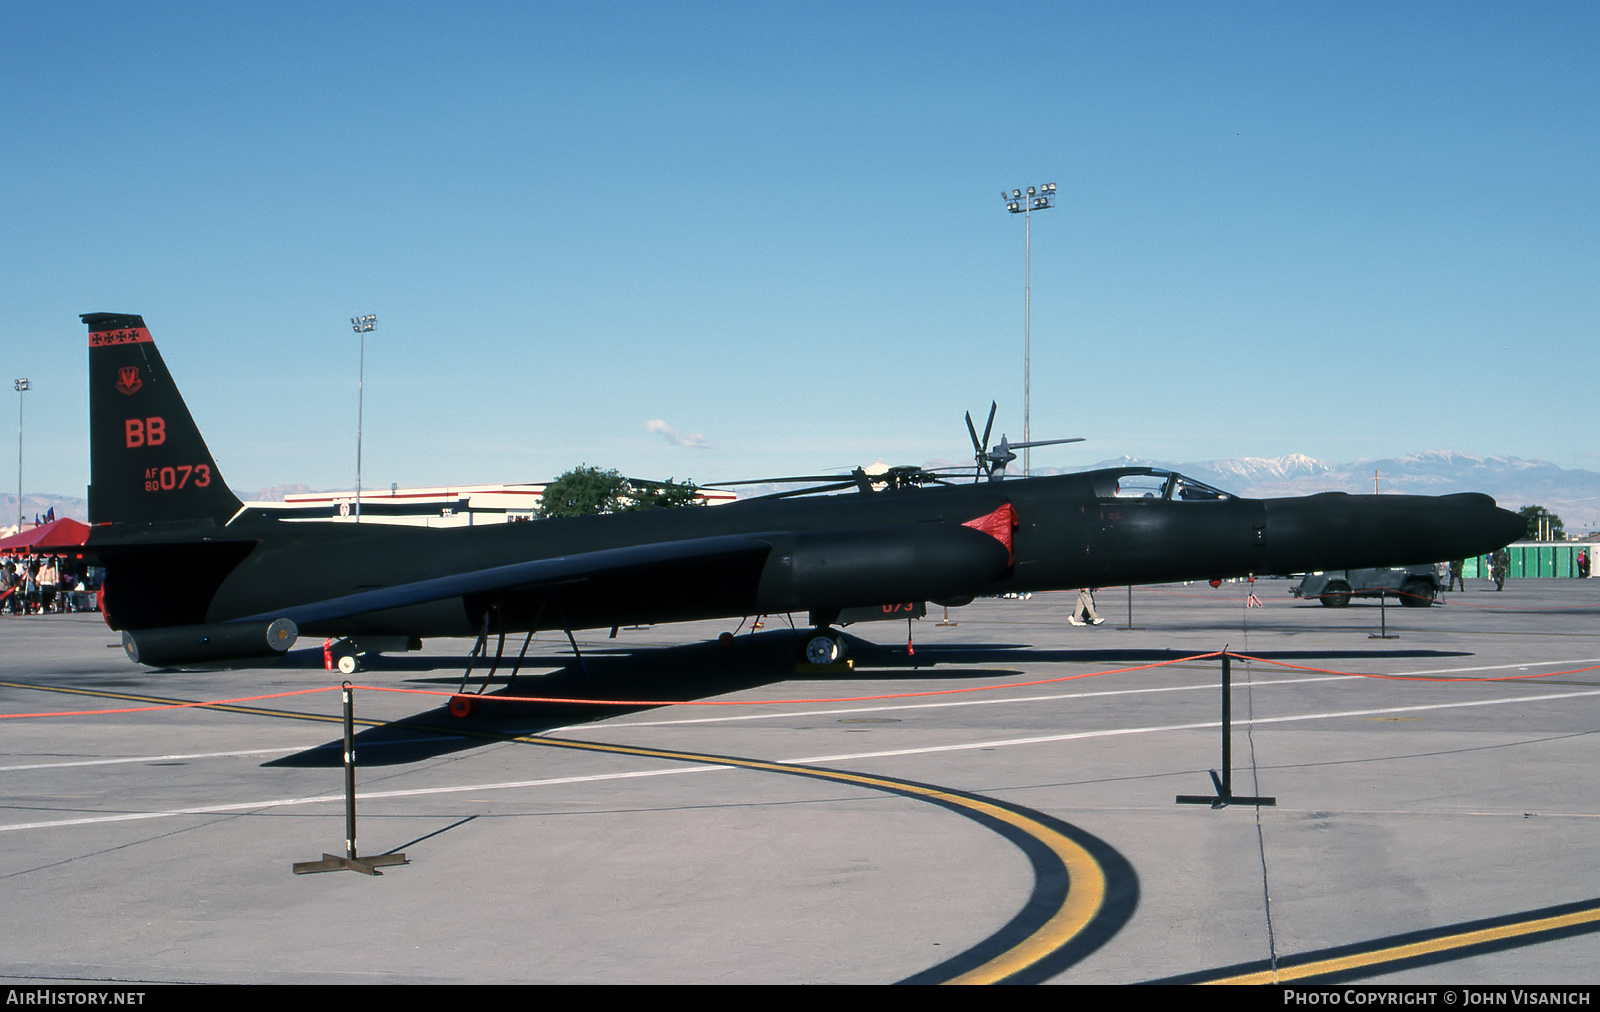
689 672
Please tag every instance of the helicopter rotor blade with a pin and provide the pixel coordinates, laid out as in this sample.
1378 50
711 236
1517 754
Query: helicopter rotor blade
1047 442
836 487
777 481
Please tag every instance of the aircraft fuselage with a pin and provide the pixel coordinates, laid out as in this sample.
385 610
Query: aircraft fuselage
810 555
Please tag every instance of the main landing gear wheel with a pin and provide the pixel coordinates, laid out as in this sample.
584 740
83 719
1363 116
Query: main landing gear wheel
825 647
349 664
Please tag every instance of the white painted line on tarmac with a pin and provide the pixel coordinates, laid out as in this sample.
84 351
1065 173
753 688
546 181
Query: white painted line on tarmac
151 759
1113 732
1204 686
252 806
1002 743
1255 683
125 760
1207 686
1522 666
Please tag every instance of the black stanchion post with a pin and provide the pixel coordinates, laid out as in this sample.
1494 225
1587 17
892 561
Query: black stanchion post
1224 784
1129 627
351 861
350 770
1227 730
1383 620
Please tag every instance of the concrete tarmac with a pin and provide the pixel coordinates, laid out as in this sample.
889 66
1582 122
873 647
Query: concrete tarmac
999 803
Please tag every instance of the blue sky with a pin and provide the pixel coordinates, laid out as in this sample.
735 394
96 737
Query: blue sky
1346 230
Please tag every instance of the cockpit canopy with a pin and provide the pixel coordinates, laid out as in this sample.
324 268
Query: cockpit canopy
1153 483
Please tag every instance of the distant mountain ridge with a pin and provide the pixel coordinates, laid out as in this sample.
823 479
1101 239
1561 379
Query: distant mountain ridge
37 504
1572 493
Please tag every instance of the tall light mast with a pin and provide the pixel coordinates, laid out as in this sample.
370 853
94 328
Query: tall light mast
1038 198
21 386
362 325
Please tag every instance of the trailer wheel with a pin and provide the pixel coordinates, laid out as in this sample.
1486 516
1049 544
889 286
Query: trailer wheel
1417 594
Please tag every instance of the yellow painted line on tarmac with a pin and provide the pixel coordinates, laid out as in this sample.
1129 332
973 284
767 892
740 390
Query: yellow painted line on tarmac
1086 879
1085 888
1397 953
1086 891
131 697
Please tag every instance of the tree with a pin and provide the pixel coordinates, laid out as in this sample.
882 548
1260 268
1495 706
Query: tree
1542 523
585 491
669 494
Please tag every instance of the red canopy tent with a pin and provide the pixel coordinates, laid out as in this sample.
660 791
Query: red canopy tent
63 533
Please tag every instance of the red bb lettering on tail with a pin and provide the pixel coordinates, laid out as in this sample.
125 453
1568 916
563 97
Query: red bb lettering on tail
144 431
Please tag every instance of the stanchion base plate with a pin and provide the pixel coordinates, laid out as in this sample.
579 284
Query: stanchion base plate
365 865
1223 801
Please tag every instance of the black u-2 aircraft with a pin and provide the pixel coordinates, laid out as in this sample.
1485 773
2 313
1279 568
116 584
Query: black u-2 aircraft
194 577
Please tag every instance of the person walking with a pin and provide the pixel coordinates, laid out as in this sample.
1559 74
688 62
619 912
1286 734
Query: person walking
1083 612
1499 563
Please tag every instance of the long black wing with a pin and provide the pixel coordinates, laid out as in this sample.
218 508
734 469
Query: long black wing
608 563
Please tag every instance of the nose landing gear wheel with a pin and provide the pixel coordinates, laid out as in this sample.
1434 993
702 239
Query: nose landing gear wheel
349 664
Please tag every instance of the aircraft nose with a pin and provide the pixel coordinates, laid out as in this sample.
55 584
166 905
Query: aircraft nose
1500 526
1338 531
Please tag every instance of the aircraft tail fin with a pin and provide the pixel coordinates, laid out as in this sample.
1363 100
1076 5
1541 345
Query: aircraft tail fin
147 460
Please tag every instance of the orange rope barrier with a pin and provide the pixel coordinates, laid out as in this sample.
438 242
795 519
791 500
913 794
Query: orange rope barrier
792 702
620 702
170 706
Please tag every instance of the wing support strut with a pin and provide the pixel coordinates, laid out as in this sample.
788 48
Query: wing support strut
460 707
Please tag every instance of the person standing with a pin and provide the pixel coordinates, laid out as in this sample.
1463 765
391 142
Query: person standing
49 577
30 602
1083 612
1457 568
66 597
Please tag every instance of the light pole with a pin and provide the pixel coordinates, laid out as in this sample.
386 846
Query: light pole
1038 198
362 325
22 388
